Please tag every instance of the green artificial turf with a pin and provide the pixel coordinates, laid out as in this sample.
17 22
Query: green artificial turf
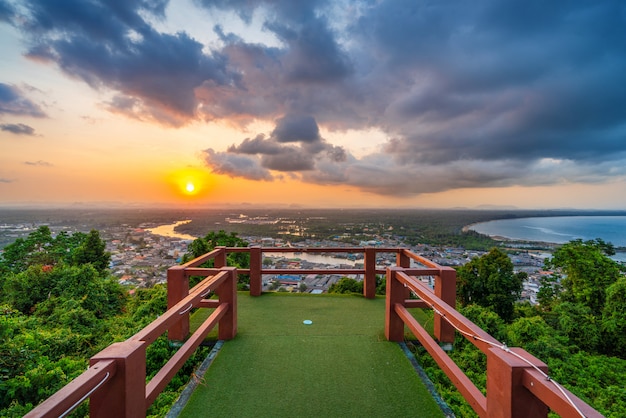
339 366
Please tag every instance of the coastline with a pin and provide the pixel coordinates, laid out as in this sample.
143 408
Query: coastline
620 250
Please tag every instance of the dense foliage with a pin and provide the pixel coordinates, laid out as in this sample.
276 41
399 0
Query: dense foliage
212 240
489 281
348 285
58 307
579 329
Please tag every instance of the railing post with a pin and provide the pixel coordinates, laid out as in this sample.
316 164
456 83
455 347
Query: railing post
369 278
394 326
220 259
256 285
506 395
402 260
124 395
445 289
227 292
177 290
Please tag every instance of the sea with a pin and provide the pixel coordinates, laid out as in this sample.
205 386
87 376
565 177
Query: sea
559 229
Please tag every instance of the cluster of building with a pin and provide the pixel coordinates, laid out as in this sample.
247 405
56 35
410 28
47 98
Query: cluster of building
140 258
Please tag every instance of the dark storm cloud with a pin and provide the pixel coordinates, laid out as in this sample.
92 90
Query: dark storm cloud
13 102
17 129
296 128
469 94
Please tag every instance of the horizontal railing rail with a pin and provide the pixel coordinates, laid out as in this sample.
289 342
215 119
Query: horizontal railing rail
517 383
256 270
74 393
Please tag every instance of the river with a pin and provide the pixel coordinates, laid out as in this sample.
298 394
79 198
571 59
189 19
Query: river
168 231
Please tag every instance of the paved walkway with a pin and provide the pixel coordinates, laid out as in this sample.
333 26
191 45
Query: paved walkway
340 365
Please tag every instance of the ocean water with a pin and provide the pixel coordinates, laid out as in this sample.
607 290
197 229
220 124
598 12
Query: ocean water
558 229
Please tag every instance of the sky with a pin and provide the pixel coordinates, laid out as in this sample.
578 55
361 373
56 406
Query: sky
319 103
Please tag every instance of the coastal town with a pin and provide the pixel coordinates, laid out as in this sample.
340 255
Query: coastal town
141 255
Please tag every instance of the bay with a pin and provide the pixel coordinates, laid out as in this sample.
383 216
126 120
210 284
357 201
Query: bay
559 229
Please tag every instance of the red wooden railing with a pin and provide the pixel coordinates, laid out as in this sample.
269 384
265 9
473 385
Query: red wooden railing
116 379
517 383
115 382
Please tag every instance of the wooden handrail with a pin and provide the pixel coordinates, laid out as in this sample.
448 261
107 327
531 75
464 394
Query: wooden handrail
548 392
71 395
470 392
169 370
451 314
157 327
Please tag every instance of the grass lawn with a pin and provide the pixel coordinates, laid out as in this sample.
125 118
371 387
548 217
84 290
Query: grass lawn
339 366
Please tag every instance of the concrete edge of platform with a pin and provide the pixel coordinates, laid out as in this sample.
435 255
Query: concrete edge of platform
182 400
429 384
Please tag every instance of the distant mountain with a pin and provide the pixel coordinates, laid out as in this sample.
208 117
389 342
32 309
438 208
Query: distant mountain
496 207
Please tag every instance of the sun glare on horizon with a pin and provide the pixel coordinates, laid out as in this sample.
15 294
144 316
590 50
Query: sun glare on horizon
190 187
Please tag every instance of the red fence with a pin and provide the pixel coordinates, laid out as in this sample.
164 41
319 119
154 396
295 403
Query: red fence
116 379
517 383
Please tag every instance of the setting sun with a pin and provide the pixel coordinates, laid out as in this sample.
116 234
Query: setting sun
190 183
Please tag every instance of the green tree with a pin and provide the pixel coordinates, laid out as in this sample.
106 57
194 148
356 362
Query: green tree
203 245
537 337
92 251
585 272
489 281
346 285
549 291
614 318
24 252
579 324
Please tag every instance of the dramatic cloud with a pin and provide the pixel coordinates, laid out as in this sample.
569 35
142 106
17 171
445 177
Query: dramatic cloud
110 45
17 128
469 94
236 165
13 102
294 146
